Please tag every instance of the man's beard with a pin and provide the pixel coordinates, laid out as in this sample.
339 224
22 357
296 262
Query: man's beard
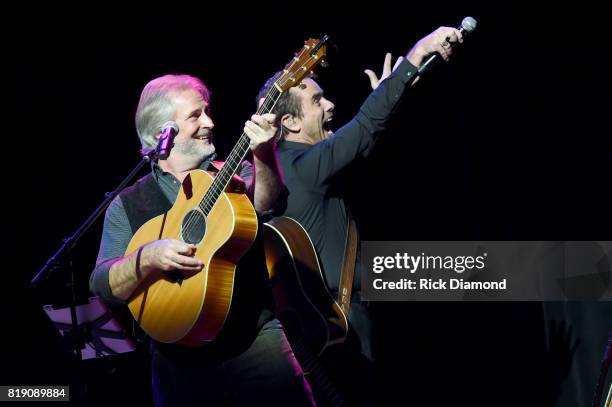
195 148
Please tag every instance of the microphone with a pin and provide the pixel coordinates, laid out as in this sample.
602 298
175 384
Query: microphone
467 26
169 130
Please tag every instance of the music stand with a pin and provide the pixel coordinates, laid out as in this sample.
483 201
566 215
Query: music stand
60 261
99 333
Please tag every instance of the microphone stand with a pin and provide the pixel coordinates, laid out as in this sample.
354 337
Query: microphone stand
60 259
57 260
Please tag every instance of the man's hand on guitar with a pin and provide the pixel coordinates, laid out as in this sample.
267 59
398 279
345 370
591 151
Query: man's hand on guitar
261 131
168 255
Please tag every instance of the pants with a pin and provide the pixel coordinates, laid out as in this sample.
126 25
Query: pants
266 373
350 366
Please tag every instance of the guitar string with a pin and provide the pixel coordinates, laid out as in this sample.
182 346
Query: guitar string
224 177
206 200
205 205
216 190
208 205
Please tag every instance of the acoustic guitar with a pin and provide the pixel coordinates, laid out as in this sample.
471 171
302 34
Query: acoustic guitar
311 318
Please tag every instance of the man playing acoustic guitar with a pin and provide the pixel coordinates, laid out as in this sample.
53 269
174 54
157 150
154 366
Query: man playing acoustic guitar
250 362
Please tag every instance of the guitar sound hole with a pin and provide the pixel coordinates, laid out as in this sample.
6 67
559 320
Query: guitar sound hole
193 227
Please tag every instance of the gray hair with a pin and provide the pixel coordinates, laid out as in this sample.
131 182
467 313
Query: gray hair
155 106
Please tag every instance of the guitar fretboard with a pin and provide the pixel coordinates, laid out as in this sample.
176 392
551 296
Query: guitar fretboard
236 157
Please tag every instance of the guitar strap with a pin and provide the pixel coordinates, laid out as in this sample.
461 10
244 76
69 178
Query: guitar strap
348 267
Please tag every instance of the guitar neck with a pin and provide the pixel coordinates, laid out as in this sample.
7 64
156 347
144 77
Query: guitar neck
236 157
310 56
310 363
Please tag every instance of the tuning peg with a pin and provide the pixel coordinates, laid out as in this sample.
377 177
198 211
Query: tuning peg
324 64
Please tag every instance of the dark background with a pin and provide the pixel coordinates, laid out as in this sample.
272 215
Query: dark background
508 141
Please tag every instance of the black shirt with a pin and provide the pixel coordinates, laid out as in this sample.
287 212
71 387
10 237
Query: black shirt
312 172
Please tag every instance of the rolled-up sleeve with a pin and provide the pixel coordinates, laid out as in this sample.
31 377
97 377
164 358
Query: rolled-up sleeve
116 236
246 173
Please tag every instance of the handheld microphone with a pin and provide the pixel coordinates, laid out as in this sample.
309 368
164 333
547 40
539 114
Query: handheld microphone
467 26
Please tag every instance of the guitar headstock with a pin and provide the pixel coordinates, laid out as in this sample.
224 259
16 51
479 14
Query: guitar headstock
312 54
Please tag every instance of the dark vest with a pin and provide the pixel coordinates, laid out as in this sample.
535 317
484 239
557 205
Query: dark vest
143 201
